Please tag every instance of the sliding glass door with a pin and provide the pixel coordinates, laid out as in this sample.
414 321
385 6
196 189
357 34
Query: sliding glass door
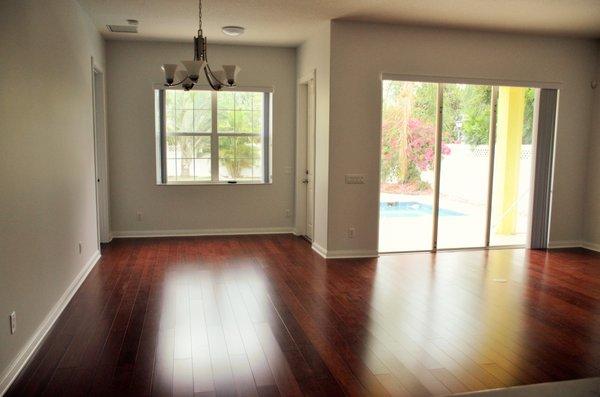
455 165
464 170
407 161
513 161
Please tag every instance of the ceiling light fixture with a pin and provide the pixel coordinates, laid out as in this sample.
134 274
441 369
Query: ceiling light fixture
189 77
233 30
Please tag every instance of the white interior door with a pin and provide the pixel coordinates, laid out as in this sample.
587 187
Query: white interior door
100 156
310 159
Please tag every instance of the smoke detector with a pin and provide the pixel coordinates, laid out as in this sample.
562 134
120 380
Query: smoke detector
233 30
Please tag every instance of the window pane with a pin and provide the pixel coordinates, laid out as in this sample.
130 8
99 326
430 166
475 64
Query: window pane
227 147
225 100
243 100
202 121
240 158
226 120
257 159
171 170
202 147
170 113
187 170
185 147
184 100
243 121
240 112
171 147
188 158
464 168
202 170
188 112
257 122
184 120
202 99
406 196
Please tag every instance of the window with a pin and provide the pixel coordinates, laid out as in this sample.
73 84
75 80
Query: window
212 136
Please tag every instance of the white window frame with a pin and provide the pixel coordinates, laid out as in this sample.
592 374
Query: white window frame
161 137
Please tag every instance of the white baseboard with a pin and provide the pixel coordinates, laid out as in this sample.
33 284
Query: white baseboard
343 254
575 244
564 244
201 232
591 246
13 370
319 250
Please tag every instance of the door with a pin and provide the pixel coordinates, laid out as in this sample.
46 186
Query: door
310 159
407 177
464 169
457 165
100 156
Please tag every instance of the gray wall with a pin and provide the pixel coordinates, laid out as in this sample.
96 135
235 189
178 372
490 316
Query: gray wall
47 204
356 109
132 70
591 238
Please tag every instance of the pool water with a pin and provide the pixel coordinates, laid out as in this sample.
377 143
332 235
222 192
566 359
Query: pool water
411 209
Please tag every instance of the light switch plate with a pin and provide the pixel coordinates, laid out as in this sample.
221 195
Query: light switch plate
355 179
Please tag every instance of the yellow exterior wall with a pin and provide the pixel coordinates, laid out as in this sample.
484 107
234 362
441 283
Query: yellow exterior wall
509 138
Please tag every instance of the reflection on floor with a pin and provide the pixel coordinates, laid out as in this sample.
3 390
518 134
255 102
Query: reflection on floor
265 315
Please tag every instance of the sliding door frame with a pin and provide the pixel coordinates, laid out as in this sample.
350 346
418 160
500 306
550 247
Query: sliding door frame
438 164
491 159
495 84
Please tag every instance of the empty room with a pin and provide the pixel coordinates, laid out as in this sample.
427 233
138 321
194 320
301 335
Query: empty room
300 198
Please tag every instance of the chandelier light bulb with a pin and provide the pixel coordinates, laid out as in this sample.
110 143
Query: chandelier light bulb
169 69
231 72
193 69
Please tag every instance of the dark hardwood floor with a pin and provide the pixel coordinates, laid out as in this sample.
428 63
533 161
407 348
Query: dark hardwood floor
264 315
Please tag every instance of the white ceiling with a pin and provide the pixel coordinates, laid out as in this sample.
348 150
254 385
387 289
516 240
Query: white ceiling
290 22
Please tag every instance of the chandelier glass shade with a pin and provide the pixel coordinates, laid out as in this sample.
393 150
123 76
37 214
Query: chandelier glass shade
190 74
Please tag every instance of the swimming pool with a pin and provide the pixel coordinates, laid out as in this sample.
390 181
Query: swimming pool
411 209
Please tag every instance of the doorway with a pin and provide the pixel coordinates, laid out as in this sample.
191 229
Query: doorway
100 155
456 165
305 160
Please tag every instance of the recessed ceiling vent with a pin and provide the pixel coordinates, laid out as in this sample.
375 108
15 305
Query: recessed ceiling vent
122 28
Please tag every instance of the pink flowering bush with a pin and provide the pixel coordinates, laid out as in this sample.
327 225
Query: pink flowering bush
415 152
421 145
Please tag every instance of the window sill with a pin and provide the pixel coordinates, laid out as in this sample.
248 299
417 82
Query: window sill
212 183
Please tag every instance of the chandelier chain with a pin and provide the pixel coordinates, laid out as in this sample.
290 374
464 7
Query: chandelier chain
200 15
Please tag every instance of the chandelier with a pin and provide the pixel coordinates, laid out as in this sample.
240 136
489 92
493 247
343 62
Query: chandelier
189 77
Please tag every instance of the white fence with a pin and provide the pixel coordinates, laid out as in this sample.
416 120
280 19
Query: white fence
464 173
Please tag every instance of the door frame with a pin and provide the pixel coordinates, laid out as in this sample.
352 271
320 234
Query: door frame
495 84
100 141
300 213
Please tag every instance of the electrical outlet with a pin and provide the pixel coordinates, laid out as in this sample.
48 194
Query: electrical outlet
13 322
139 216
288 213
80 247
351 232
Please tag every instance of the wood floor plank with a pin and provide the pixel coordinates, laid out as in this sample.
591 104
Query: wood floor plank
267 316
